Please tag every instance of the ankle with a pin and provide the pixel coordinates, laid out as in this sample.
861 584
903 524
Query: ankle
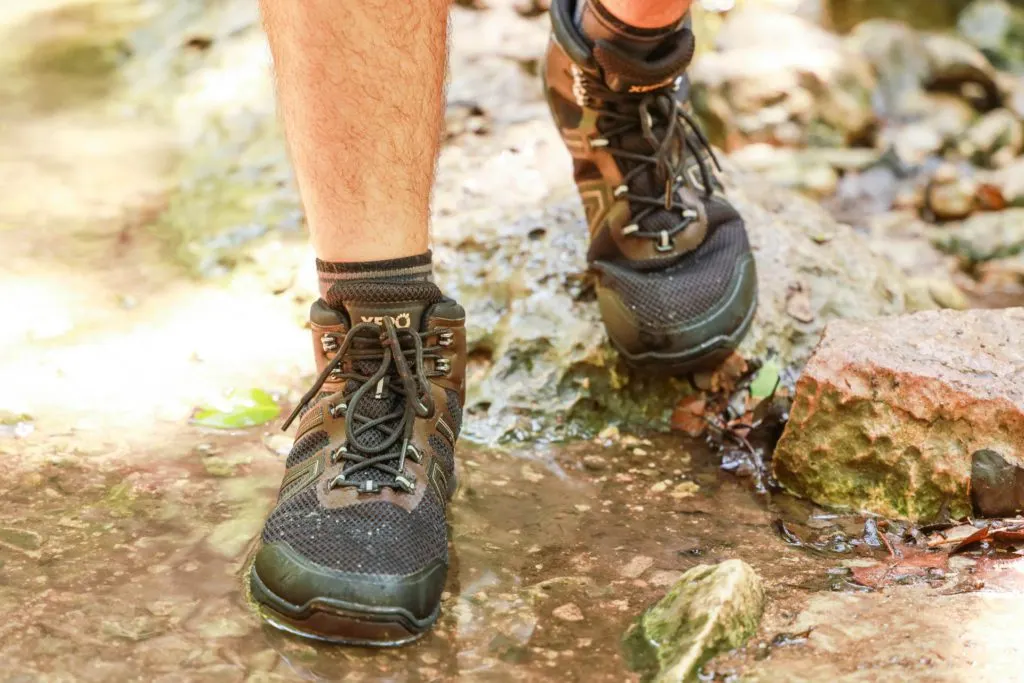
666 15
408 268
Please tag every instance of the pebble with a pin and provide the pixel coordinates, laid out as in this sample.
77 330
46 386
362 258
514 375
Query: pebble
594 462
22 539
568 612
687 489
953 200
637 566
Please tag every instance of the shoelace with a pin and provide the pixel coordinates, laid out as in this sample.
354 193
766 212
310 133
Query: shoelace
370 341
655 110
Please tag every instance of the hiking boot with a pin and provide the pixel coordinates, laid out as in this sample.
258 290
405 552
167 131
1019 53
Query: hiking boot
676 282
356 550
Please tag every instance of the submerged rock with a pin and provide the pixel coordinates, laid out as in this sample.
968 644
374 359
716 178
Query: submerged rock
889 412
710 609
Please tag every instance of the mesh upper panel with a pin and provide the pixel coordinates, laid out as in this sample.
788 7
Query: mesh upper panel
306 446
371 538
444 452
455 408
687 290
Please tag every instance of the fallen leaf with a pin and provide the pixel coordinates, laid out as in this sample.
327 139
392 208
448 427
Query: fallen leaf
239 409
765 381
913 565
976 537
688 415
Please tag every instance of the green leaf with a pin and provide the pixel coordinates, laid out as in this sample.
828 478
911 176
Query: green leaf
245 408
764 382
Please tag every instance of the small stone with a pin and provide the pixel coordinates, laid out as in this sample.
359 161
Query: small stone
23 539
224 627
687 489
664 577
995 132
594 463
659 487
609 433
948 295
531 475
568 612
709 610
985 236
636 567
952 200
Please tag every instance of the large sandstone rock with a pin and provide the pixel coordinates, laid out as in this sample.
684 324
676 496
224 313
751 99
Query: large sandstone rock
709 609
889 413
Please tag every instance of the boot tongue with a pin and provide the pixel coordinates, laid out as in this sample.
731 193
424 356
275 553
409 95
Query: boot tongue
404 302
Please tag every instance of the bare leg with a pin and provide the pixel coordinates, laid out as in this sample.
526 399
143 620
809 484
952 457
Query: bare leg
360 89
647 13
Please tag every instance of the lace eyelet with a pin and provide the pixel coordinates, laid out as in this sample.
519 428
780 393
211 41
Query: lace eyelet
446 338
413 453
665 244
631 229
329 342
338 410
443 365
408 483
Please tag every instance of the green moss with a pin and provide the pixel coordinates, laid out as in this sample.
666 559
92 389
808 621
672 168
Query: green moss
868 455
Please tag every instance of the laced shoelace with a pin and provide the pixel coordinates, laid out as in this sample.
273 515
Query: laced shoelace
373 342
672 133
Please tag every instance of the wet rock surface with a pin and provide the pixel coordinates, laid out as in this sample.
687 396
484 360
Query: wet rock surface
889 413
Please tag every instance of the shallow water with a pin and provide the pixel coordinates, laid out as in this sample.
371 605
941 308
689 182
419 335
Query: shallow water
133 570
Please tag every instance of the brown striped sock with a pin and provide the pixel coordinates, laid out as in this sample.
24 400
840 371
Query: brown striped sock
407 268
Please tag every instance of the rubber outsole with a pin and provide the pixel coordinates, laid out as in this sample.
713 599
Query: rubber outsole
708 355
334 621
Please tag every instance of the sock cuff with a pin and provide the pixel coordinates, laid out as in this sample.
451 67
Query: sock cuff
407 266
604 15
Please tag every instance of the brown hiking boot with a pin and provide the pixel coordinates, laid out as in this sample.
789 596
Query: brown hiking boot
676 282
356 550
